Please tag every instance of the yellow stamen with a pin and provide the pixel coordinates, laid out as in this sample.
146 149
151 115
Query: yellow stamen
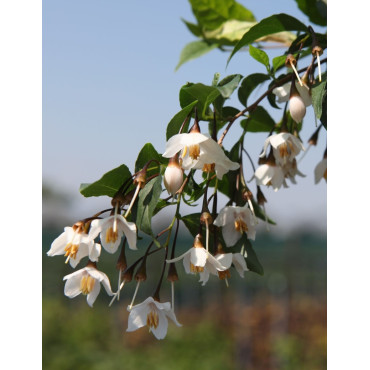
71 251
152 320
194 151
185 150
111 236
224 274
196 268
283 150
208 167
87 284
240 225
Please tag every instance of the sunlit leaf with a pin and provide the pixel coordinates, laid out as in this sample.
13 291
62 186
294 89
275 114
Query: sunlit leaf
194 50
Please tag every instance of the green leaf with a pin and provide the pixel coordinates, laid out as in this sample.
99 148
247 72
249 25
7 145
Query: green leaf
210 14
228 85
146 204
194 50
174 125
318 92
252 260
278 62
259 212
260 56
192 223
315 10
109 183
205 95
258 121
249 84
273 24
146 154
195 29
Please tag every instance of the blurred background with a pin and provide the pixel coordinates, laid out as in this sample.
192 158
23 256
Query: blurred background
109 87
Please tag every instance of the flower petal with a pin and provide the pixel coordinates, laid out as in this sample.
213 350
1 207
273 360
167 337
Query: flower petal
91 297
161 330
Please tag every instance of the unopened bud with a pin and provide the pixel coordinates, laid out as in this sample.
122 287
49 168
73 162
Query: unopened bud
173 176
297 106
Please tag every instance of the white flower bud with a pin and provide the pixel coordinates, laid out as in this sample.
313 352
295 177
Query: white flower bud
297 108
173 177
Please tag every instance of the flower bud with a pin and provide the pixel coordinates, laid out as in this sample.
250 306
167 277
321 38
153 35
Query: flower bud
297 108
173 176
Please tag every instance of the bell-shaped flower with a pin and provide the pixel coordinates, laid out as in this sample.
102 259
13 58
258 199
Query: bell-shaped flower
154 315
111 230
269 174
239 263
234 222
213 158
75 244
283 93
321 171
173 176
200 152
86 281
197 258
285 147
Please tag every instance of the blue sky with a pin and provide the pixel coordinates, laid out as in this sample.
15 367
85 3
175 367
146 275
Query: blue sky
109 87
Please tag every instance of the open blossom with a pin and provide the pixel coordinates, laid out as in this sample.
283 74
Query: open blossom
290 170
75 244
285 147
234 222
270 175
226 259
111 230
86 281
321 171
154 315
197 258
201 152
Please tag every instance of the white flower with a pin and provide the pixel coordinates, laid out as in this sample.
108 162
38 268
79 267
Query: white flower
283 93
197 258
285 147
321 171
173 176
226 260
270 175
152 314
111 230
75 244
234 222
201 152
86 281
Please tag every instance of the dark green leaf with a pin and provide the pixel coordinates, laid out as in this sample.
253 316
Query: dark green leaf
249 84
318 92
260 56
228 85
252 260
108 184
212 13
194 50
146 204
146 154
205 95
258 121
259 212
273 24
192 223
174 125
314 9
